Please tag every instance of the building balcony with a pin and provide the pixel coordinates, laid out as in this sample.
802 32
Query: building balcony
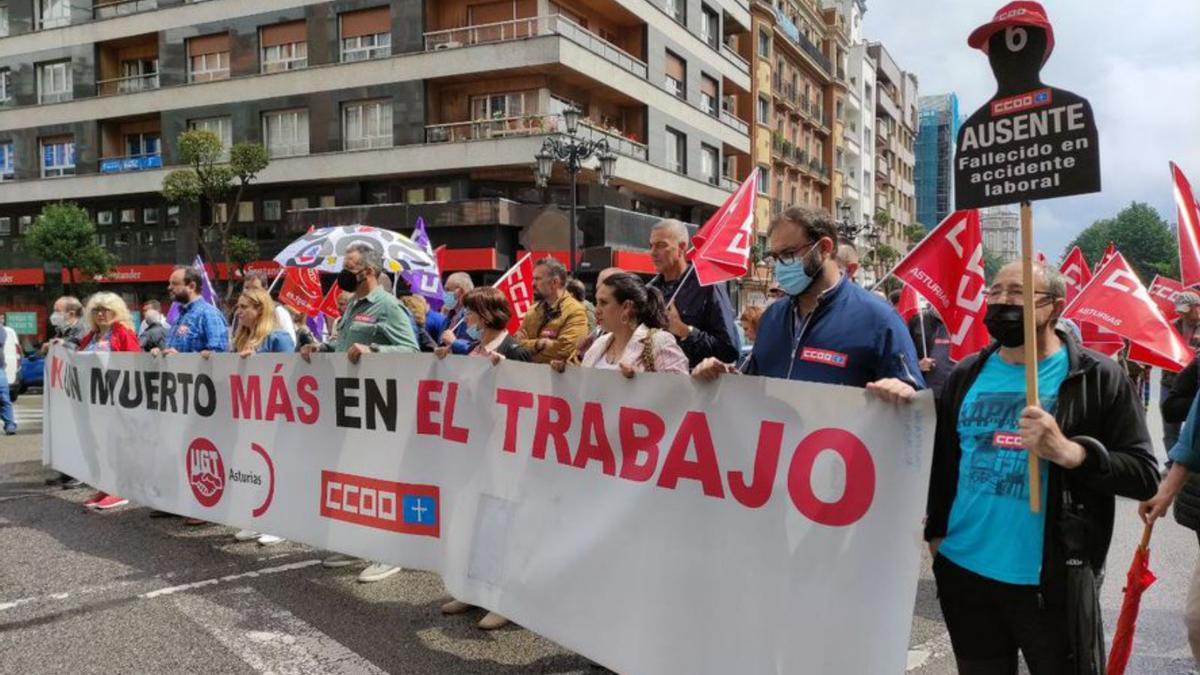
520 29
131 163
733 121
531 125
735 58
127 85
886 104
812 51
107 9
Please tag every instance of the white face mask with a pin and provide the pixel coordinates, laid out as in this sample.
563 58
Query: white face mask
58 320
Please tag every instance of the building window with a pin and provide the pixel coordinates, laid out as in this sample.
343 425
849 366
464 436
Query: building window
5 226
5 85
299 203
678 9
676 74
764 177
54 82
221 126
441 193
283 46
764 44
272 209
23 224
138 75
499 106
58 156
709 26
709 95
286 132
764 111
150 215
104 217
245 212
3 20
208 58
367 124
366 34
142 145
327 202
7 167
54 13
709 161
676 151
220 213
128 216
414 196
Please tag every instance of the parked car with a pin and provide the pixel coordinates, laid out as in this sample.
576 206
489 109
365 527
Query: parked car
31 372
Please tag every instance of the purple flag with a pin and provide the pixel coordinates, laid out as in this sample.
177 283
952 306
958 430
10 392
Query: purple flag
206 289
425 283
173 313
316 324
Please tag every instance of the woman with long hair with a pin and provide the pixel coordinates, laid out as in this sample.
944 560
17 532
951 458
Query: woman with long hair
108 328
257 333
634 317
487 314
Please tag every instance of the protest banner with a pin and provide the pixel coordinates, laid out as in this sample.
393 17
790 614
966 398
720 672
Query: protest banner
653 524
1029 141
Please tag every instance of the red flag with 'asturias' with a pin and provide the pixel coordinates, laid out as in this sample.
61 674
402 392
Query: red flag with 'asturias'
1116 301
1189 228
909 305
517 286
302 290
1077 275
946 269
721 249
1163 291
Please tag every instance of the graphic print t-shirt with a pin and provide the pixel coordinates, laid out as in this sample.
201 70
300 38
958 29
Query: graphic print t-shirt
992 532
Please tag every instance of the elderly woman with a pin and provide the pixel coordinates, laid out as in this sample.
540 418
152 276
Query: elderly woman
257 333
635 318
108 328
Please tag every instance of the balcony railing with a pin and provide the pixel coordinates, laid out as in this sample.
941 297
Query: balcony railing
529 125
519 29
131 163
788 28
127 85
107 10
729 53
729 183
735 122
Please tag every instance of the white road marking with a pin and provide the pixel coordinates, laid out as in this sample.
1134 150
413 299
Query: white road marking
280 643
170 590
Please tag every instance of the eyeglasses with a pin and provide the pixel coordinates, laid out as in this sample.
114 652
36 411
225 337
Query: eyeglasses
1017 295
787 257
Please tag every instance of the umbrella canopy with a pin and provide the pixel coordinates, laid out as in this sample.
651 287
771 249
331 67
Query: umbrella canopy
324 249
1138 579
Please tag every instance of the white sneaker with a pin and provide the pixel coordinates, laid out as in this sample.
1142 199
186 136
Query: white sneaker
269 540
377 572
246 535
339 560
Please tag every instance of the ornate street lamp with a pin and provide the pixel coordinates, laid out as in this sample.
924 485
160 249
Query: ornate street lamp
573 151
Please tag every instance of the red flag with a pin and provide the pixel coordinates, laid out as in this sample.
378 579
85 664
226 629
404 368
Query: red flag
1117 301
1137 580
329 305
909 305
1108 254
302 290
517 286
1041 257
721 249
1188 226
1163 291
946 268
1076 273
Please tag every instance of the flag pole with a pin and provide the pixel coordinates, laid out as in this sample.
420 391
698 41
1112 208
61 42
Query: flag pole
1031 351
691 270
499 281
276 280
921 323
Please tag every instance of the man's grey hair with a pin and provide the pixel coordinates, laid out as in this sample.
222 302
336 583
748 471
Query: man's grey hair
462 280
675 228
555 268
846 254
1056 283
372 258
72 305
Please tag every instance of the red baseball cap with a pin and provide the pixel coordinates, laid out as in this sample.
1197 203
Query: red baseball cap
1020 13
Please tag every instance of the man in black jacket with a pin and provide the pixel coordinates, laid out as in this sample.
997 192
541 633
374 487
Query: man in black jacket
701 317
1000 568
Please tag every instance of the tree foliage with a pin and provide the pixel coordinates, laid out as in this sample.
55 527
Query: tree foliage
991 264
1140 234
241 251
64 233
209 180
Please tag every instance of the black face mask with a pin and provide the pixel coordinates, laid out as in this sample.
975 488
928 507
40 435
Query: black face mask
347 280
1006 323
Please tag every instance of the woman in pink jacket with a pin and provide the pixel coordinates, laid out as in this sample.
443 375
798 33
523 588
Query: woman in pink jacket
634 317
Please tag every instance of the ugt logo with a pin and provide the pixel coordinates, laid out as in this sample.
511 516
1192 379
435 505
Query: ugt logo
206 472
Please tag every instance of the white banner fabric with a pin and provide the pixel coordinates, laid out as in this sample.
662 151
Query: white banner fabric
654 525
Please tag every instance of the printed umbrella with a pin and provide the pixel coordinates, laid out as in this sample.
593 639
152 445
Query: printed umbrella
1138 579
324 249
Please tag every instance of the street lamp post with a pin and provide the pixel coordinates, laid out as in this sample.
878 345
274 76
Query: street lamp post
573 151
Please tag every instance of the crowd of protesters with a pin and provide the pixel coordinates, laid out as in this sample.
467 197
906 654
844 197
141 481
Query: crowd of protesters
1001 569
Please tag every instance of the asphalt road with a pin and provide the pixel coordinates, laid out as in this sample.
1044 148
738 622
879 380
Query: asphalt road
121 592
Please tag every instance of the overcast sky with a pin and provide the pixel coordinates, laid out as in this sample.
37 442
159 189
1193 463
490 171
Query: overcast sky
1138 63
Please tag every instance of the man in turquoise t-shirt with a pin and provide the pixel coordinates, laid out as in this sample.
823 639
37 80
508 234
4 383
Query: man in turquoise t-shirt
1000 568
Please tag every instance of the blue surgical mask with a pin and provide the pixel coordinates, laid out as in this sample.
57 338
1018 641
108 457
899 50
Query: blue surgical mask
450 299
474 333
792 277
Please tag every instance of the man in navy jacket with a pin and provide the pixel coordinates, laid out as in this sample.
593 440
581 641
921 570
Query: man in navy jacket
828 329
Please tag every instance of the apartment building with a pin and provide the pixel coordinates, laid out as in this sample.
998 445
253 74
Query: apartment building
895 139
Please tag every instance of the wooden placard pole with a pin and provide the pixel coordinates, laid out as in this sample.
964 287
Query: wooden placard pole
1031 348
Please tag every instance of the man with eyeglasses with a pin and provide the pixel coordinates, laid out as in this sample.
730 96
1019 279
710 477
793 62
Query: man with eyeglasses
1001 569
827 329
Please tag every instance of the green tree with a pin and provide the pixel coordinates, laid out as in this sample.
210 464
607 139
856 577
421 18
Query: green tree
991 264
210 180
915 233
64 233
1140 234
241 251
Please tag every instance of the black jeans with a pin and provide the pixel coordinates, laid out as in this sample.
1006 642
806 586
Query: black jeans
990 622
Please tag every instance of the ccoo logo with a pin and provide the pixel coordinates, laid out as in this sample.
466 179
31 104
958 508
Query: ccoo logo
206 472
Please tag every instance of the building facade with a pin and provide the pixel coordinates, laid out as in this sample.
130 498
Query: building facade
432 107
895 140
937 133
1001 227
